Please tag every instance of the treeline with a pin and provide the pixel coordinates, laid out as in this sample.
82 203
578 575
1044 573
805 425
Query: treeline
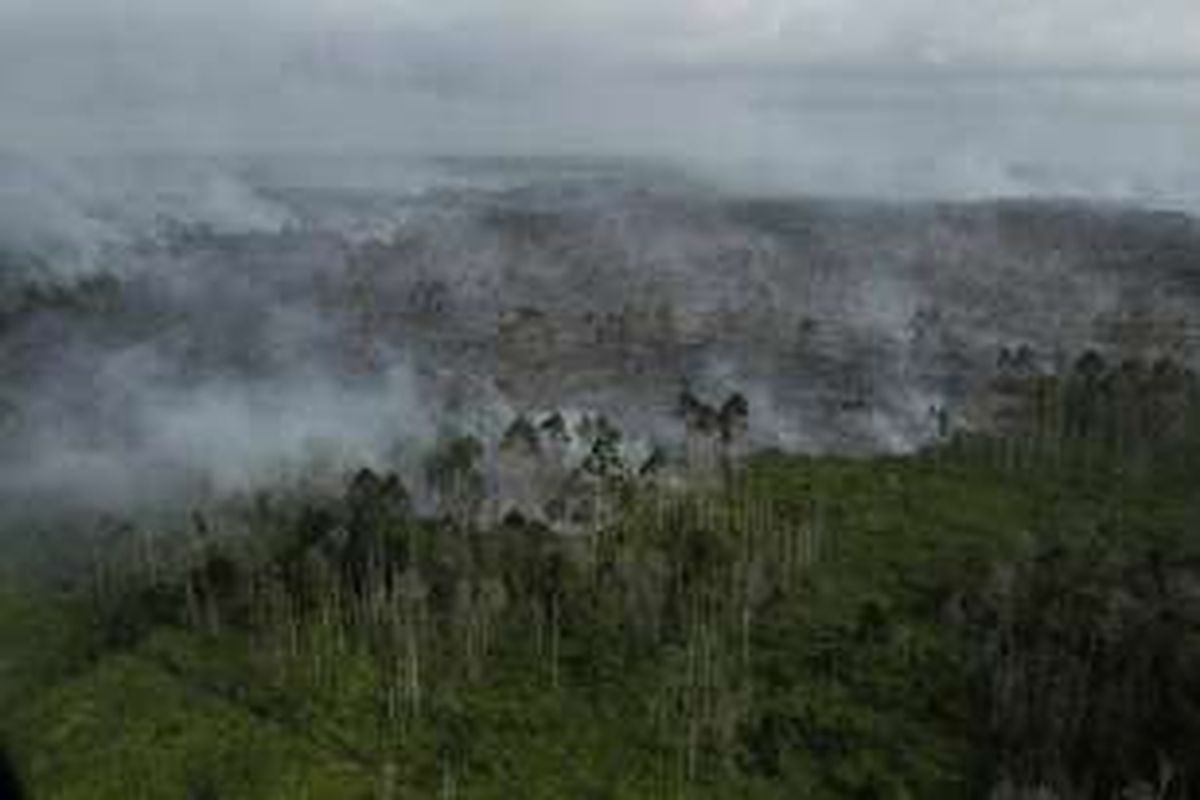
1132 413
1010 614
1090 636
360 603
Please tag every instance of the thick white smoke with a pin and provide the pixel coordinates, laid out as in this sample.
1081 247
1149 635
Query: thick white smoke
222 324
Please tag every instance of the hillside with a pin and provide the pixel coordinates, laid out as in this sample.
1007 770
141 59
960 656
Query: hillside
961 623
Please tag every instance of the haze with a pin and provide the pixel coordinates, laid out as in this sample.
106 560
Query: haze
909 97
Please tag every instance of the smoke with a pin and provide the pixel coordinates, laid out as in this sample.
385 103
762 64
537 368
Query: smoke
253 242
181 329
80 216
219 439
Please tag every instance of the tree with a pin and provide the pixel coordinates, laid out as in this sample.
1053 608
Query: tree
1084 397
604 459
377 509
702 424
455 475
697 415
521 434
554 426
709 428
653 464
733 418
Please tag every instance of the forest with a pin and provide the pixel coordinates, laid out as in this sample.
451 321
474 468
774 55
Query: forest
1008 612
599 400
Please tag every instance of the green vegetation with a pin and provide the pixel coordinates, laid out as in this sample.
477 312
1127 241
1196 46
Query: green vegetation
997 616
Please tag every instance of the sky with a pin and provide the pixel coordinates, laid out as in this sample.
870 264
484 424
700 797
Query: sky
881 96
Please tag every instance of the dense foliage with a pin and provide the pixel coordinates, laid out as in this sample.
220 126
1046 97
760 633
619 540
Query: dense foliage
1011 615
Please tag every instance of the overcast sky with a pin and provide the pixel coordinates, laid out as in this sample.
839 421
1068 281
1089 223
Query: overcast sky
871 94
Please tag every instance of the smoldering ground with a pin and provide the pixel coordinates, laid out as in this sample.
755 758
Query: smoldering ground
212 325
